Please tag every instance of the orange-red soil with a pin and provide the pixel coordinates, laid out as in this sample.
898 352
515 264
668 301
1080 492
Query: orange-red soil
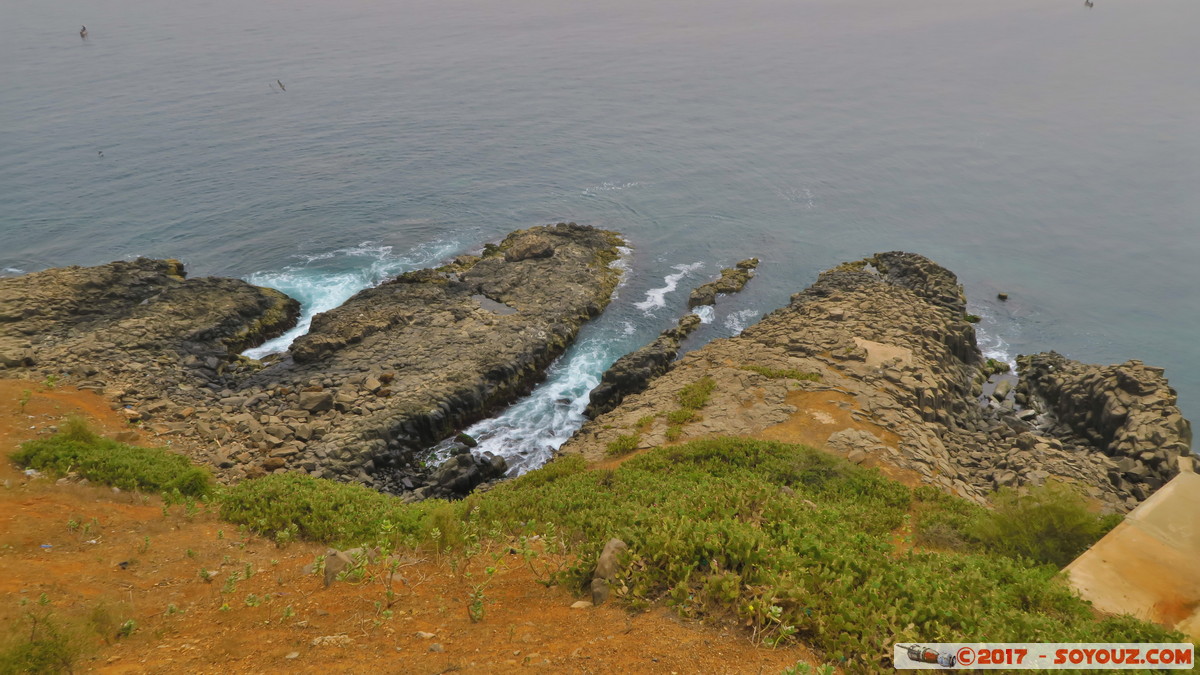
103 557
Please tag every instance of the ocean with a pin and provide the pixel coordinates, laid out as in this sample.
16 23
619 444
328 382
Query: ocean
1043 149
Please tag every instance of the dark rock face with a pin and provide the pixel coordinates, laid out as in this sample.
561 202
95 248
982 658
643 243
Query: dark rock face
413 359
634 371
1126 411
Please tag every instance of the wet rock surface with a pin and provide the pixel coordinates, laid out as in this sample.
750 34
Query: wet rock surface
390 372
877 361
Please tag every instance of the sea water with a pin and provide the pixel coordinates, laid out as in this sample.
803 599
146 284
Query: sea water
1043 149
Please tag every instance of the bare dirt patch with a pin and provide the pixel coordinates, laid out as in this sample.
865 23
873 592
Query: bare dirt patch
103 558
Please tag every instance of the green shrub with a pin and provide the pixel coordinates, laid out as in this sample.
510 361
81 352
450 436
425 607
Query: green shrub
674 432
77 448
945 522
644 422
1048 524
789 373
695 395
681 416
49 652
711 534
623 444
38 643
325 511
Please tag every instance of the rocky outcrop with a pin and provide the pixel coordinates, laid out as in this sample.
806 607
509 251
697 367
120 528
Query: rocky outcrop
140 322
732 280
392 371
403 365
632 372
876 361
1127 411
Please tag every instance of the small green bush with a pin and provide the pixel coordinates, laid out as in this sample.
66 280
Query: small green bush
674 432
695 395
681 416
77 448
326 511
1049 524
49 652
778 373
623 444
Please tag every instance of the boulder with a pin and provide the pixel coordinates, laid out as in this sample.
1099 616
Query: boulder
608 563
316 401
528 246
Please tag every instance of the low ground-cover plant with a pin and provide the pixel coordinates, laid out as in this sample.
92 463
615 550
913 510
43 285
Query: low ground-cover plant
623 444
711 532
695 395
329 512
77 448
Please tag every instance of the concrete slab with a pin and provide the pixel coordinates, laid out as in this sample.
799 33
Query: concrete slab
1149 565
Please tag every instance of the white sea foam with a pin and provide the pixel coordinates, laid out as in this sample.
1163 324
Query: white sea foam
737 321
621 264
706 313
14 271
529 432
990 336
610 187
345 271
657 297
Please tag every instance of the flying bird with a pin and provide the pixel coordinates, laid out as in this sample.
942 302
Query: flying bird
280 85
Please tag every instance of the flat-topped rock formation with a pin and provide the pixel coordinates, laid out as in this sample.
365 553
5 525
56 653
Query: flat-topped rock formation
877 361
395 369
139 322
